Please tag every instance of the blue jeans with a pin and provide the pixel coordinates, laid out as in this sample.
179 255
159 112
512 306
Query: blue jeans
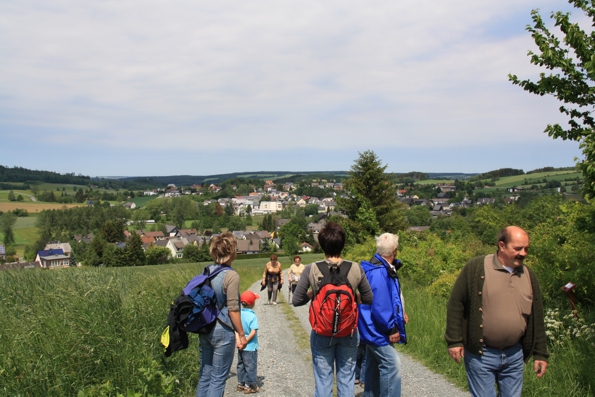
503 367
383 372
217 348
329 354
247 365
360 364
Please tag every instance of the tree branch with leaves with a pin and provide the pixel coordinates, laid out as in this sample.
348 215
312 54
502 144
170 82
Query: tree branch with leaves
571 80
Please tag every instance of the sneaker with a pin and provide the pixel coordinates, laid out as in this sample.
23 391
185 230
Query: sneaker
268 303
251 389
274 303
241 387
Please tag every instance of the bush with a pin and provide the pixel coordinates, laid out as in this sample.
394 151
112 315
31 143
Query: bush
443 285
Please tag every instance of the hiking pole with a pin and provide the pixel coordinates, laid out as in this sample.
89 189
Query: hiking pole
289 291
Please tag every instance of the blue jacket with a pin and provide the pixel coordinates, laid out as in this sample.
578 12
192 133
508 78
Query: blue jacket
384 316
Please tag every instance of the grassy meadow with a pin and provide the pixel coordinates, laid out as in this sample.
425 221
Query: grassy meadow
95 331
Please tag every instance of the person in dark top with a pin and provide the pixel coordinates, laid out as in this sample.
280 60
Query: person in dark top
330 352
494 318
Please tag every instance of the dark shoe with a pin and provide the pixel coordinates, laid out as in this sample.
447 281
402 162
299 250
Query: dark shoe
251 389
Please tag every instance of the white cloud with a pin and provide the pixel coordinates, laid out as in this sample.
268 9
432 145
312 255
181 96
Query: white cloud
247 75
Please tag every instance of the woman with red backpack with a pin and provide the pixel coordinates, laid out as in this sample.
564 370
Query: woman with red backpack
333 313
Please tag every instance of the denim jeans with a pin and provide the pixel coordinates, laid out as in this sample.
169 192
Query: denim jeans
247 366
330 354
360 364
383 372
503 367
217 348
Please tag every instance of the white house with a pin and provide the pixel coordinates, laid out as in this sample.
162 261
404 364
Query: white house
270 206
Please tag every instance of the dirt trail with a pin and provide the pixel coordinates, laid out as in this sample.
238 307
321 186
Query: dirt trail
286 370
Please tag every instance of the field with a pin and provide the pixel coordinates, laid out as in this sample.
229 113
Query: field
536 178
435 181
96 331
141 201
34 207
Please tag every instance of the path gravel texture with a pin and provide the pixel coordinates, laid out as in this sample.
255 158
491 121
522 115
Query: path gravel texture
286 370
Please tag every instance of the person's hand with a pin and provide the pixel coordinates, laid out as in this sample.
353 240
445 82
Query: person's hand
405 318
310 294
394 338
540 367
456 353
242 343
262 283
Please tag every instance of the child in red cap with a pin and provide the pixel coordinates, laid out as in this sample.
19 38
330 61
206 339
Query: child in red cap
247 358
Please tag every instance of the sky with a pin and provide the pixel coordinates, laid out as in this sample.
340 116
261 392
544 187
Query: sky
152 88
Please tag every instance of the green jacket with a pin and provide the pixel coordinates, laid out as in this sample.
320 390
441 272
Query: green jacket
464 320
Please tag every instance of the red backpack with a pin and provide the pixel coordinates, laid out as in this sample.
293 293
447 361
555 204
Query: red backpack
333 311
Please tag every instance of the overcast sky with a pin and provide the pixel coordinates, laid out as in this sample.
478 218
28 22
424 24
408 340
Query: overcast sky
195 87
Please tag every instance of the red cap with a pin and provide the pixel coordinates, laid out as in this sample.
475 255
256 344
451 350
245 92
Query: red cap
248 297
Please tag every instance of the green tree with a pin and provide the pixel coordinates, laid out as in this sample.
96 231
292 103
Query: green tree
311 209
205 254
7 221
11 196
157 255
291 235
369 186
571 80
419 215
191 253
20 198
135 255
182 208
236 223
72 260
114 256
229 209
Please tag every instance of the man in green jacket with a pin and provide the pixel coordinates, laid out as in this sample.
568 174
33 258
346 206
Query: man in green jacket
495 318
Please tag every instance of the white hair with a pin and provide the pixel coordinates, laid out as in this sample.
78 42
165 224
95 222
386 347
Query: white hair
386 244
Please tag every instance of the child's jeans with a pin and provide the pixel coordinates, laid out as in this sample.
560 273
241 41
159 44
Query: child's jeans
247 363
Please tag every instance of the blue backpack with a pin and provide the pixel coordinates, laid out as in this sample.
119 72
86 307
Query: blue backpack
204 312
194 310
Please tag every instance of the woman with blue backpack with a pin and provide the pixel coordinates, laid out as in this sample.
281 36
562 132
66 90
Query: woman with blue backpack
217 347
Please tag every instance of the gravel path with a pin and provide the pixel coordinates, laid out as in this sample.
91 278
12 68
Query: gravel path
286 370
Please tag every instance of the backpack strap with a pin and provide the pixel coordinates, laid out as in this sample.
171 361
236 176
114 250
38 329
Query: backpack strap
323 267
206 272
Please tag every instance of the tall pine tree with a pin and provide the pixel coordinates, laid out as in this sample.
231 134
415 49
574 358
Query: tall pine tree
135 255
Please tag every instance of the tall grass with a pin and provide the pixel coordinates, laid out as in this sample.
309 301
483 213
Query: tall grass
95 331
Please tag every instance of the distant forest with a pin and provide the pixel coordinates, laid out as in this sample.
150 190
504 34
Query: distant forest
503 172
20 174
31 177
277 176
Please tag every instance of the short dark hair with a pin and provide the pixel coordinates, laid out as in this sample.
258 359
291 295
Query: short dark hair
273 257
504 236
332 239
297 257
